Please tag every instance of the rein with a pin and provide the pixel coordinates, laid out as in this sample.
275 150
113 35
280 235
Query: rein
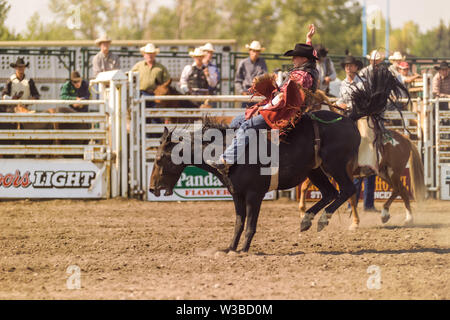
314 117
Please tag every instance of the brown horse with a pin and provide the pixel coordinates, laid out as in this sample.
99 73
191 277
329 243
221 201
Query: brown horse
394 156
166 89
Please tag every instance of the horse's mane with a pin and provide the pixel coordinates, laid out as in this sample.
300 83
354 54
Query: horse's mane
211 123
379 88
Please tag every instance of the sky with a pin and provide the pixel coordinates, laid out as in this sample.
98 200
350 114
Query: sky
426 13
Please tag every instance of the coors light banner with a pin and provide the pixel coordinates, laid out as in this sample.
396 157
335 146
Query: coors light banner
35 178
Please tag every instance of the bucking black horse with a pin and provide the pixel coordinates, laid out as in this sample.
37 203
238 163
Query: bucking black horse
338 141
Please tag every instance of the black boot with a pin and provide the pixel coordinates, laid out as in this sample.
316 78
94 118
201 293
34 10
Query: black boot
223 169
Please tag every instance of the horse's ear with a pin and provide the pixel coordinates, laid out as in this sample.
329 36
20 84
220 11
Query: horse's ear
165 133
167 83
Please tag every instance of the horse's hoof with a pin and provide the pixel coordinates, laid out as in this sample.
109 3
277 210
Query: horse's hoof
408 222
306 223
353 227
323 221
226 250
385 216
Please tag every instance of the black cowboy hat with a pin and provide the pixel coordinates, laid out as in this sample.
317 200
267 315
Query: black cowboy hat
301 50
20 62
351 60
321 51
443 65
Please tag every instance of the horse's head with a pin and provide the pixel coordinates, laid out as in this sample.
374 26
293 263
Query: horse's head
163 90
165 172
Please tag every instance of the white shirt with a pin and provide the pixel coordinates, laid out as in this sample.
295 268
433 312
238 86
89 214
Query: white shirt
211 79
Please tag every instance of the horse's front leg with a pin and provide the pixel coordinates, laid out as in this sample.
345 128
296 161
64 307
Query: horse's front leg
253 201
355 223
240 208
302 202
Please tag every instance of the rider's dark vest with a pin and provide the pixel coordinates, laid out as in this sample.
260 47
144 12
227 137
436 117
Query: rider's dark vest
197 79
310 67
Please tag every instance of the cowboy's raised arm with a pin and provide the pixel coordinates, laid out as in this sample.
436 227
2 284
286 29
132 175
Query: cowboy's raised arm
310 34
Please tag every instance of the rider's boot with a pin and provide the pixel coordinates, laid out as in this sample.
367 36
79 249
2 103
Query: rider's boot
223 168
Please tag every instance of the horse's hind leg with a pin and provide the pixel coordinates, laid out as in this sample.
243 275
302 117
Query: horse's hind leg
302 202
329 193
399 188
355 223
347 189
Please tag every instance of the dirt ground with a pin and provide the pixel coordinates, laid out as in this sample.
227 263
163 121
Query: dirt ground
129 249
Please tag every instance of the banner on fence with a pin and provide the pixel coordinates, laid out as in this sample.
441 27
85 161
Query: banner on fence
62 178
196 184
382 189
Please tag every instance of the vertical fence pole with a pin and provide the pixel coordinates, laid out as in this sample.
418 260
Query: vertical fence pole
437 167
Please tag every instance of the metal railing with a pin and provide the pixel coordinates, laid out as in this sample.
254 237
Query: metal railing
40 134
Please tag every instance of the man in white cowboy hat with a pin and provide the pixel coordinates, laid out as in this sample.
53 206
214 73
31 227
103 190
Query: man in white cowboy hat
249 68
104 60
196 78
375 58
18 85
151 72
208 49
395 59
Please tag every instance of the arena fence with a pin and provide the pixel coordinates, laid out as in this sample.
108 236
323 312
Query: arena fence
54 155
115 153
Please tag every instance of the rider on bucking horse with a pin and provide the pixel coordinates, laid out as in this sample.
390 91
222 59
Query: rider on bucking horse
282 107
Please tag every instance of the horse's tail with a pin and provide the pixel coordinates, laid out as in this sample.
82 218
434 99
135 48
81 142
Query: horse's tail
417 173
370 97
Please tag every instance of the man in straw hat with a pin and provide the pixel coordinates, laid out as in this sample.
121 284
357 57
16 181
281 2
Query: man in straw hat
375 58
151 72
395 59
196 78
208 49
441 84
249 68
104 60
275 114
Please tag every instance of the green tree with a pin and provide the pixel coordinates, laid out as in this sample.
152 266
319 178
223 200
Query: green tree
5 33
338 25
405 39
37 30
434 43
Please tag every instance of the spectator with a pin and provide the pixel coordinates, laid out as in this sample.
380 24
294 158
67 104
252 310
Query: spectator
75 89
441 84
208 49
104 60
196 78
151 72
374 58
395 59
327 72
351 67
248 69
405 76
19 86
